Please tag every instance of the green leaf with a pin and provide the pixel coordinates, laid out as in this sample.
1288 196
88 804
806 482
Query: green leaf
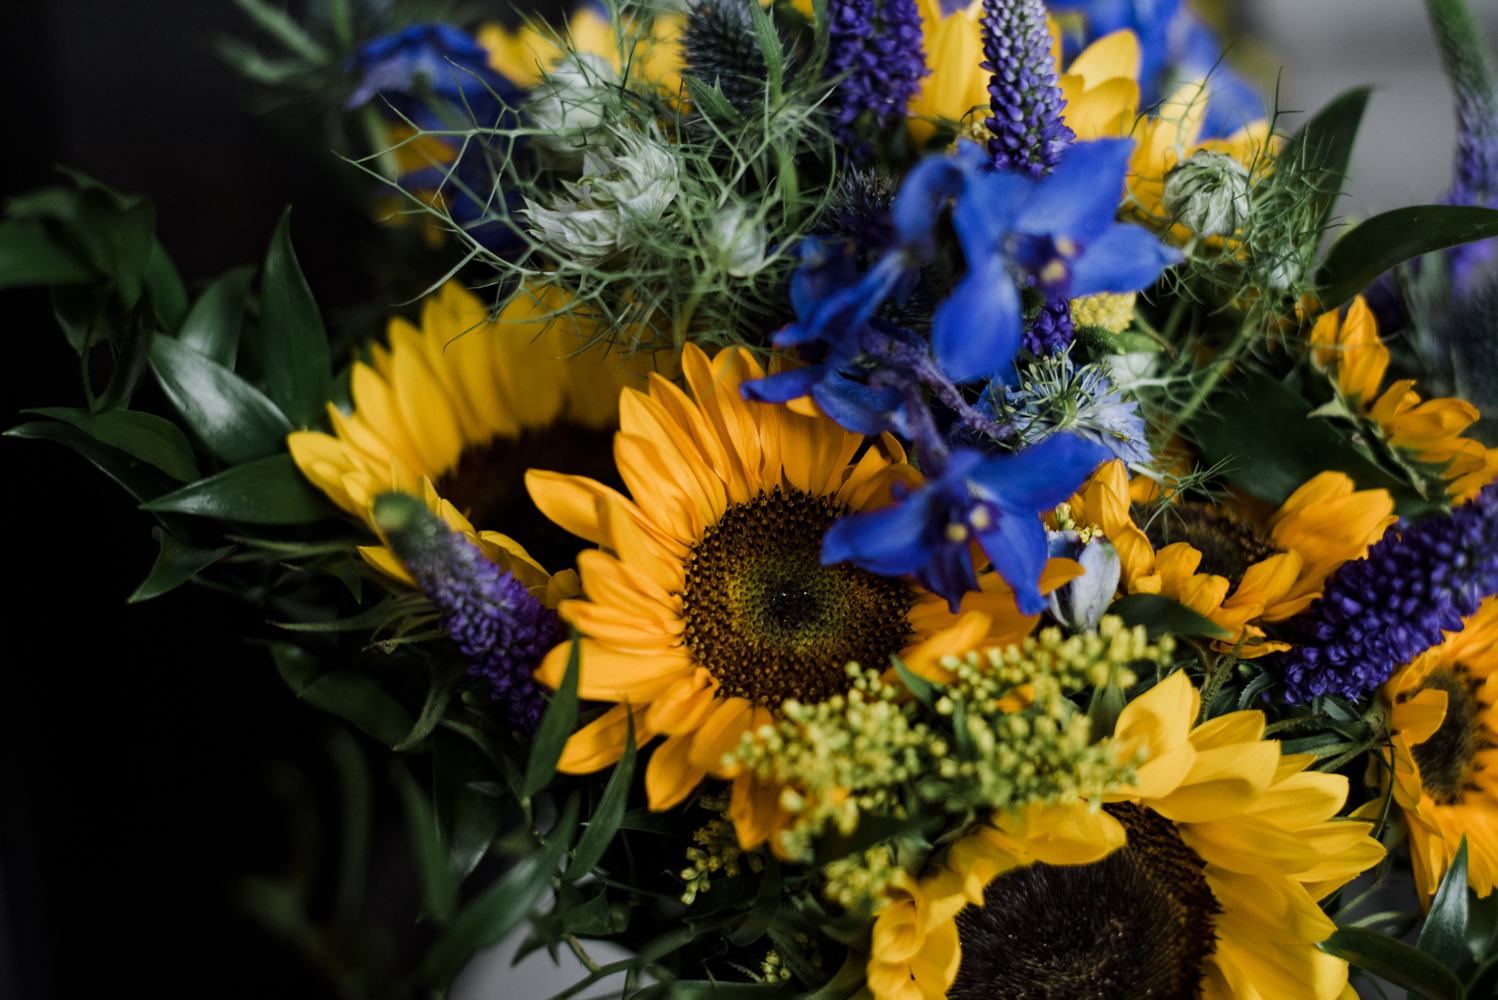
176 563
709 99
29 257
431 855
556 726
1320 151
297 667
1104 709
168 295
1482 922
212 327
269 491
467 818
1368 250
118 235
1444 935
766 902
592 919
1159 614
768 40
143 435
76 307
501 907
130 362
923 689
298 365
361 701
1395 961
871 830
432 710
279 25
605 821
141 479
1262 430
645 821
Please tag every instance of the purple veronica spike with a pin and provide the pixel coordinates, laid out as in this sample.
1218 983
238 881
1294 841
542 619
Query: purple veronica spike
878 44
502 630
1029 134
1386 609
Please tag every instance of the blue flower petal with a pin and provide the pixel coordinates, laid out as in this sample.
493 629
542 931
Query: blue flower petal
922 194
783 386
892 541
858 408
1126 258
976 330
1080 197
1017 546
1042 475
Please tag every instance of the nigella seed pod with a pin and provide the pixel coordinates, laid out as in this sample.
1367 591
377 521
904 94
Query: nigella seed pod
1208 194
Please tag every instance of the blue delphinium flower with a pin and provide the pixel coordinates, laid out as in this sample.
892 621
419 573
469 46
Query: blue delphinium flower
1059 230
433 58
1384 610
1056 395
1028 133
500 628
437 77
996 502
878 43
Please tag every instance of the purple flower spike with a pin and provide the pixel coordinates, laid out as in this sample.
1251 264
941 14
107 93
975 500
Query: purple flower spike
1029 134
1386 609
878 43
500 628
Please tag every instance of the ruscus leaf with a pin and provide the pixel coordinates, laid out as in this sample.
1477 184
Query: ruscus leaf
143 435
1395 961
212 326
176 563
29 257
361 701
1444 935
297 359
141 479
1159 614
556 726
605 821
268 491
431 853
1370 249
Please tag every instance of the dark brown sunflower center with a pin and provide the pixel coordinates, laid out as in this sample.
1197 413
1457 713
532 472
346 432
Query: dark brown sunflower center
488 485
1136 924
1447 760
769 621
1228 546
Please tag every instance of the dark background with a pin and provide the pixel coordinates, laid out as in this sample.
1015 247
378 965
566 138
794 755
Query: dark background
138 743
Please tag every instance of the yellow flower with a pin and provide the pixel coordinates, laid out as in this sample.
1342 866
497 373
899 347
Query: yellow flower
1428 431
1202 879
708 605
456 411
1170 136
1445 726
1248 574
1099 86
521 56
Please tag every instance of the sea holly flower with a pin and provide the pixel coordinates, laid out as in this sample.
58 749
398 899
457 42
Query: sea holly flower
995 502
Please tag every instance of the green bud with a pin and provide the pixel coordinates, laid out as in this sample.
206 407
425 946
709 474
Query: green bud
1208 194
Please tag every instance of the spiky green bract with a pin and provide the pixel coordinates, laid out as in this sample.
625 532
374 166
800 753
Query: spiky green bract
1002 735
672 280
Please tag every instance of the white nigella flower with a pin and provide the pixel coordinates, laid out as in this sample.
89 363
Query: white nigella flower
623 189
569 102
1208 194
737 241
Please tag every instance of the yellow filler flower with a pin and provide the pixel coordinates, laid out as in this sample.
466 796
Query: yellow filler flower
1445 725
1428 432
708 605
1100 88
1230 844
1225 568
457 410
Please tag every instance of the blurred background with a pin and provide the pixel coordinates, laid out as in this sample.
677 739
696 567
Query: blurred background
150 757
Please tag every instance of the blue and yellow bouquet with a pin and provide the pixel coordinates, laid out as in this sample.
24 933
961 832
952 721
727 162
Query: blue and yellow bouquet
880 498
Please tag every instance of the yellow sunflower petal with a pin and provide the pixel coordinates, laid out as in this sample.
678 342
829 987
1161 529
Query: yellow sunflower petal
670 776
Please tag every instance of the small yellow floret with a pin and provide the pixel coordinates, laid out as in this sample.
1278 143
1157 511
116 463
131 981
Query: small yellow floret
1112 312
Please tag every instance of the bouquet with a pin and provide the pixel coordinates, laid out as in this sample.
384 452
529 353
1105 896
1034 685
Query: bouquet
874 498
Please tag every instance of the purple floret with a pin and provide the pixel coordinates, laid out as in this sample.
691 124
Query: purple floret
880 46
1028 133
1384 610
498 626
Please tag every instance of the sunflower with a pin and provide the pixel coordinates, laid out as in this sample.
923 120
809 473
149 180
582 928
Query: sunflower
1226 845
1099 86
1428 432
522 56
457 410
1445 726
708 605
1225 568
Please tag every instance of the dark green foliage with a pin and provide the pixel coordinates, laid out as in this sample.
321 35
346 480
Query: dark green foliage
719 46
